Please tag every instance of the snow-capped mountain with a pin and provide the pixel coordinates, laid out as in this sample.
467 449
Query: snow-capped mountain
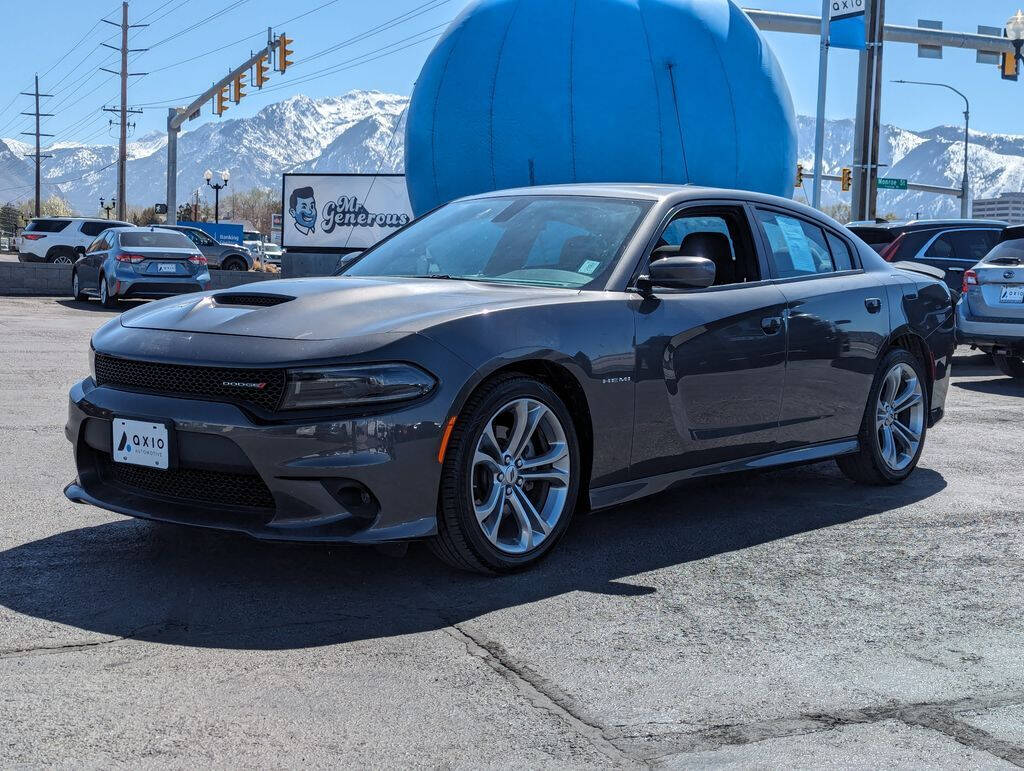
364 131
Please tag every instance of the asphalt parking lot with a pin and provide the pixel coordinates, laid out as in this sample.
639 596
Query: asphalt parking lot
784 619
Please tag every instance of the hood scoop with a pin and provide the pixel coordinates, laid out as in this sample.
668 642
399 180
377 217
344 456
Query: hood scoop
250 298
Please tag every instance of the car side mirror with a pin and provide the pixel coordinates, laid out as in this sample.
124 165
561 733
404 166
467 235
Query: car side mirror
680 271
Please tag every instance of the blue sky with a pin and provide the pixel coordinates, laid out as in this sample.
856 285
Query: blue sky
388 58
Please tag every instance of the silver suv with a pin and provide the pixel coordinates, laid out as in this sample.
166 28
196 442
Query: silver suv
60 239
990 313
218 255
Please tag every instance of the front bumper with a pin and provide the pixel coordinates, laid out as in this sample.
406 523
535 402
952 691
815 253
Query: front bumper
359 479
1001 336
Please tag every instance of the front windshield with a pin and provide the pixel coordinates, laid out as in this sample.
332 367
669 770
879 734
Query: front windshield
563 241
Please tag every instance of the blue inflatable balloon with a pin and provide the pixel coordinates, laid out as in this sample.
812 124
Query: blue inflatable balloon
532 92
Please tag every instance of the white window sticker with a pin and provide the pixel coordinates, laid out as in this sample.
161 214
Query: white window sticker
796 241
589 267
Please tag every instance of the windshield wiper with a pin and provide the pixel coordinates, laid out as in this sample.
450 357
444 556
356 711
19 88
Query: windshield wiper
444 276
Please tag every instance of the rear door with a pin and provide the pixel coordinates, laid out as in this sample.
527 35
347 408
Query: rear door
89 265
837 320
956 251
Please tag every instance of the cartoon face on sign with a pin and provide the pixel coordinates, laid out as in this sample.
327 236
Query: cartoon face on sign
302 208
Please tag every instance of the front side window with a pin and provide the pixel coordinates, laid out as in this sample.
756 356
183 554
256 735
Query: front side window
721 235
557 241
798 248
971 244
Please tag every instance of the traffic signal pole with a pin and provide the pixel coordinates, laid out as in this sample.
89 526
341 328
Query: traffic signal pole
176 117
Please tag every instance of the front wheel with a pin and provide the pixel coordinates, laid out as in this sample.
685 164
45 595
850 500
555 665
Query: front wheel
510 478
234 263
1011 366
76 287
895 422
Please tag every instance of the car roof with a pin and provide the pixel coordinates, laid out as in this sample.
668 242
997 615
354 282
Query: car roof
671 194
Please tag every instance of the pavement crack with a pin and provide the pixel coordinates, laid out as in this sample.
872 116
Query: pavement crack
539 691
43 650
938 716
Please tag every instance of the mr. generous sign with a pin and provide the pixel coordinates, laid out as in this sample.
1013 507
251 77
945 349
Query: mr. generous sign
349 212
329 212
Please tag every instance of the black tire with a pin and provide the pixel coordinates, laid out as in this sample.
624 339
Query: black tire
459 540
61 255
866 466
76 288
107 300
234 263
1011 366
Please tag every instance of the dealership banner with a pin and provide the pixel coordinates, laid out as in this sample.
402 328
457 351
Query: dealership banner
341 211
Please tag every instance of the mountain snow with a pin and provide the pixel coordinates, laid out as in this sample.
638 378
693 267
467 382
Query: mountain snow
364 132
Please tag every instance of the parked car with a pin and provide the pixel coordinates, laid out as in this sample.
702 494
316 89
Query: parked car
272 252
218 255
950 245
135 263
990 313
58 239
253 241
479 373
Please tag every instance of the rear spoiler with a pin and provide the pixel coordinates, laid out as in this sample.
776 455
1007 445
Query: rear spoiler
920 267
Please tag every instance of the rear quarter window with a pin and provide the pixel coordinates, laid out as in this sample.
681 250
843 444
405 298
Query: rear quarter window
46 226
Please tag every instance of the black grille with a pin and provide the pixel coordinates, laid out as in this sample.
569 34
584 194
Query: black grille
251 299
194 485
260 387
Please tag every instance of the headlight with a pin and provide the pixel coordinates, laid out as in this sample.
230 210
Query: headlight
355 385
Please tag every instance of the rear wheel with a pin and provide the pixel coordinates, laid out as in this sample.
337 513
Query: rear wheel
61 256
895 422
510 478
107 300
1011 366
76 287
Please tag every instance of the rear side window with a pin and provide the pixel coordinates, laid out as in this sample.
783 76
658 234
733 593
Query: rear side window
798 248
94 228
46 226
841 256
156 239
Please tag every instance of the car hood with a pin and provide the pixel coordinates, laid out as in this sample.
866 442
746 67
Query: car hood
332 308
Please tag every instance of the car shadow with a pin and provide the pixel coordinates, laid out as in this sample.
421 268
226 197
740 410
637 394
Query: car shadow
94 305
185 586
1002 386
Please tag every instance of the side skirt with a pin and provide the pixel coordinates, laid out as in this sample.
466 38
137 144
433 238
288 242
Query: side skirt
602 497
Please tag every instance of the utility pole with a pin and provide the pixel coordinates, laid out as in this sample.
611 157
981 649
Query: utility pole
868 124
819 125
122 152
37 155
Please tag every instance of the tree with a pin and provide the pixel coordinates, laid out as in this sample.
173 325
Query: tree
10 218
146 216
840 212
51 206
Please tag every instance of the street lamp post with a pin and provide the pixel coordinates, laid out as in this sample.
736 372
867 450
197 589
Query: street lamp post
208 176
965 190
109 207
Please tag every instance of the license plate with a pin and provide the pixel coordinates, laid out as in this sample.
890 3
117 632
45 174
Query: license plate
1012 294
140 442
166 267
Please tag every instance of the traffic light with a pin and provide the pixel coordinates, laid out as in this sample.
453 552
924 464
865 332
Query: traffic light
262 69
799 175
1008 66
236 88
846 178
283 52
221 100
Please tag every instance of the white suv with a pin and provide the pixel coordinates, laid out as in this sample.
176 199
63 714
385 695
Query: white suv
56 239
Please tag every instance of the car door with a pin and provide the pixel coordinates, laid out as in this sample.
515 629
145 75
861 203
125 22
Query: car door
956 251
710 362
89 265
837 320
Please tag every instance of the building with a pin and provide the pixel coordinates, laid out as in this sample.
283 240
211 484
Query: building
1008 207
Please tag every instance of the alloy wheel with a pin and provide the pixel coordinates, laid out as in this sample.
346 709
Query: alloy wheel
62 259
520 476
899 416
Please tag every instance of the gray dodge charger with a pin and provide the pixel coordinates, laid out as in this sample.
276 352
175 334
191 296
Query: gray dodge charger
509 359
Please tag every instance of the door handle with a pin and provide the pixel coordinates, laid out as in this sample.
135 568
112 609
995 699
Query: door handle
771 324
954 270
873 304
